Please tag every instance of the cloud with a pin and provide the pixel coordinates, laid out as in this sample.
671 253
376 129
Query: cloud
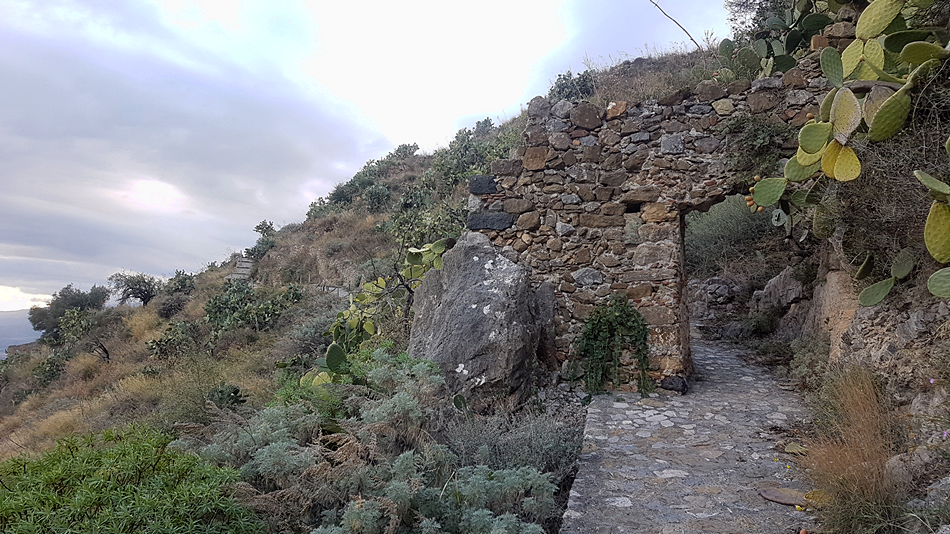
117 157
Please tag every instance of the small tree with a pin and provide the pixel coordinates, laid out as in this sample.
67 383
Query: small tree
47 319
139 286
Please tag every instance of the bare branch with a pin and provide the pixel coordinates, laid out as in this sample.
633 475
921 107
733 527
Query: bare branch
665 14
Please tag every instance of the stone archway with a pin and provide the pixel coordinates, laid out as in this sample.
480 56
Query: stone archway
594 201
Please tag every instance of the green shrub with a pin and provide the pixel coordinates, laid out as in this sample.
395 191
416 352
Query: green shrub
263 245
755 144
377 198
573 88
117 482
527 439
608 331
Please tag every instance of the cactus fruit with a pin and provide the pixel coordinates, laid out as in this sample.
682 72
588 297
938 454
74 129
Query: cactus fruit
851 57
845 115
890 117
813 137
937 232
919 52
903 264
875 293
769 191
866 267
847 165
873 102
830 157
796 172
825 109
939 283
895 42
877 17
831 66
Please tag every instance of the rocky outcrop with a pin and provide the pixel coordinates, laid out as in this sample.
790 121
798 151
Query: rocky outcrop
483 322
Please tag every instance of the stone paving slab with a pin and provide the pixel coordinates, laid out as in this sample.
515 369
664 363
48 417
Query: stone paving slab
672 464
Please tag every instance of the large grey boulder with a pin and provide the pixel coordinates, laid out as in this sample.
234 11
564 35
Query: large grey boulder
480 319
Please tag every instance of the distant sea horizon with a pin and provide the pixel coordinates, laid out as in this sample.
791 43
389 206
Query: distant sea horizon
15 329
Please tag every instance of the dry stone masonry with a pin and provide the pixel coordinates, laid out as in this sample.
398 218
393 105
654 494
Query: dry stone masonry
593 203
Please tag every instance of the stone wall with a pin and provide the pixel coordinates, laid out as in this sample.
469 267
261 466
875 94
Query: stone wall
594 201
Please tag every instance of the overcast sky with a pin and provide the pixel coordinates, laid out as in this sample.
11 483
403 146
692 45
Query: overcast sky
154 135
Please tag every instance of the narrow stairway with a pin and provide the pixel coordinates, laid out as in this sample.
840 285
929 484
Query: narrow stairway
691 464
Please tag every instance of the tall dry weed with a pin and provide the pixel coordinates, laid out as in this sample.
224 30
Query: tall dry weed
144 324
848 459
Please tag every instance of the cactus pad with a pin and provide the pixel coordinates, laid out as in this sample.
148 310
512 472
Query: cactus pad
825 109
845 115
851 57
877 17
813 137
336 358
875 293
800 198
831 66
937 231
874 53
847 165
866 267
903 264
726 49
939 283
932 183
785 62
768 191
806 159
830 158
920 52
796 172
761 47
890 117
875 99
748 59
895 42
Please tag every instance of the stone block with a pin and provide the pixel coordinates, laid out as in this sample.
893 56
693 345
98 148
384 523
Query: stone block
649 275
657 212
535 157
482 184
648 254
613 208
538 107
639 291
616 109
529 221
658 315
587 276
656 232
587 116
738 86
591 154
490 221
672 144
760 102
601 221
708 90
614 178
560 141
518 205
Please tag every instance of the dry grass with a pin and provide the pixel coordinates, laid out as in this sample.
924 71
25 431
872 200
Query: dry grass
848 458
144 324
657 74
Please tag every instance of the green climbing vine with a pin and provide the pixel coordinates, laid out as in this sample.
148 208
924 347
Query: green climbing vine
609 330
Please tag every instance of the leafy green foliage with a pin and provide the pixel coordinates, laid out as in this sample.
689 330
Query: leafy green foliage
567 86
47 318
756 144
369 175
124 481
240 305
608 332
182 282
135 286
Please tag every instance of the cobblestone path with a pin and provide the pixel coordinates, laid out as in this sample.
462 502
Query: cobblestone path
691 464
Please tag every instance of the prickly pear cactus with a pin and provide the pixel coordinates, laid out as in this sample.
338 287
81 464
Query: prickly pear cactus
890 116
877 17
875 293
769 191
939 283
937 232
847 165
903 264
